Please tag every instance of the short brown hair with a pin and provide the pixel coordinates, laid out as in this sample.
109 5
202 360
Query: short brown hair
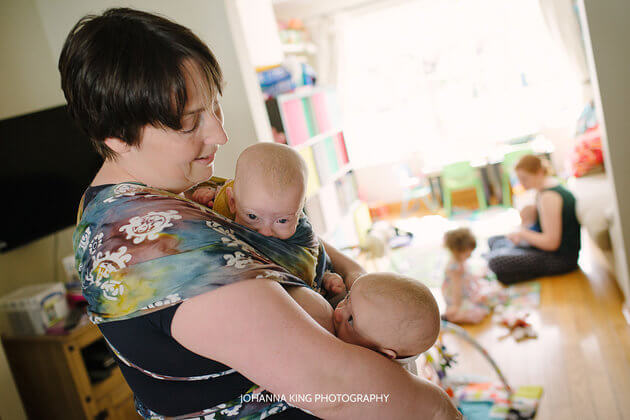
459 240
125 69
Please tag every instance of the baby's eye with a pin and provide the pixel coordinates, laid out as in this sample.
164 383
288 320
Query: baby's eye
283 221
252 216
350 320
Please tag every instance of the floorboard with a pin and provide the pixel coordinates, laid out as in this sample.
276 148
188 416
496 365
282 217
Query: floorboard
582 354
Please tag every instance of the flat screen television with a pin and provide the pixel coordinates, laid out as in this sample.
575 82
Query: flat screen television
46 163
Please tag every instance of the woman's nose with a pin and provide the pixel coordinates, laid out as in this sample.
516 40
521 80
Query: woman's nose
218 136
214 133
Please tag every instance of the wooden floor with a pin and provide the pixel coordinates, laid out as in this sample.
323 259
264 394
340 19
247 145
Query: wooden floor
581 356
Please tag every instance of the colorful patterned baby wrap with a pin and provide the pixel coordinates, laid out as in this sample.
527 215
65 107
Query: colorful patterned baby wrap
139 249
312 269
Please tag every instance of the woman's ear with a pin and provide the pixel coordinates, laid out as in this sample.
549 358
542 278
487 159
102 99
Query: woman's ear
117 145
230 199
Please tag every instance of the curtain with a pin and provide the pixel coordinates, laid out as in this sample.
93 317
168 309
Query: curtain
561 17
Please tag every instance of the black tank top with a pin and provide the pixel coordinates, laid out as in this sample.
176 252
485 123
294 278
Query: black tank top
570 241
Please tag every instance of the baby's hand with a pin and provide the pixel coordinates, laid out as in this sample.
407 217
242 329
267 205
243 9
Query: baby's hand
333 283
204 195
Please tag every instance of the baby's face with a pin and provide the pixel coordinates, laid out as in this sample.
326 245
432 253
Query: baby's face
350 316
463 255
268 212
374 324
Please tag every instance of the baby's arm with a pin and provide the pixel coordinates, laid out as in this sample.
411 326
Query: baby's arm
347 268
314 305
528 215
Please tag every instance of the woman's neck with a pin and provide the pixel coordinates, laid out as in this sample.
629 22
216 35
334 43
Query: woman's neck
111 173
547 182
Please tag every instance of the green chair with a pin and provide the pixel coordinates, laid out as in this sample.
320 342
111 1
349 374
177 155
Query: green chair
508 174
459 176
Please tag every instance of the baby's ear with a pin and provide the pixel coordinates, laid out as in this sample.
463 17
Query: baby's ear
230 199
389 353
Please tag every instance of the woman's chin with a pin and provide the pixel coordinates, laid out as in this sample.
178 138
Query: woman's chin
202 173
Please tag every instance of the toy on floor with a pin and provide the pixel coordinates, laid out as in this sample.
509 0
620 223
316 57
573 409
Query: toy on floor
517 324
478 399
381 238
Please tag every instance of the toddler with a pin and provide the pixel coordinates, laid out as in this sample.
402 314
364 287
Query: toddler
389 313
468 297
267 195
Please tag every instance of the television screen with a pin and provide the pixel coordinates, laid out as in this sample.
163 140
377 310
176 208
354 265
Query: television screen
46 163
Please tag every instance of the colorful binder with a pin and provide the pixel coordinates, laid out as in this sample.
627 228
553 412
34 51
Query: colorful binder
331 155
340 146
313 179
319 105
309 118
294 121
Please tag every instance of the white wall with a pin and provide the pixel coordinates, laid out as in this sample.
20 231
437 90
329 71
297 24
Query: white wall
607 34
218 24
32 33
29 79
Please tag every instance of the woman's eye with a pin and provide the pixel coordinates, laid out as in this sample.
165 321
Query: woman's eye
350 320
194 127
251 216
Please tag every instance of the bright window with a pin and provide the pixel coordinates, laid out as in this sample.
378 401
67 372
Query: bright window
449 79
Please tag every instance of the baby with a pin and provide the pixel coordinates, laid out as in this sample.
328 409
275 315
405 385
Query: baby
267 195
389 313
468 297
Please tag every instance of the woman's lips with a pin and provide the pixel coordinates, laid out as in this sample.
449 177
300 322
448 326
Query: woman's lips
206 161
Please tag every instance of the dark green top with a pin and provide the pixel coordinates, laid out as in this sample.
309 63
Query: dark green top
570 242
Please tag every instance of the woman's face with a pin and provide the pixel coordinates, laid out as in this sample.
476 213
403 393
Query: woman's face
177 160
530 180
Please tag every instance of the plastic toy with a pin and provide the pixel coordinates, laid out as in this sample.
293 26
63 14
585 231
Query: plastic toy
478 400
519 328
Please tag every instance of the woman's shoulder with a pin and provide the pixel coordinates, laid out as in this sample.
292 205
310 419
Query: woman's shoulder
551 198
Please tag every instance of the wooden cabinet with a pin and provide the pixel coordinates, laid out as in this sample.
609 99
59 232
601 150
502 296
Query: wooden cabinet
53 381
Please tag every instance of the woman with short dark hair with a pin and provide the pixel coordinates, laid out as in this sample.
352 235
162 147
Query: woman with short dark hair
190 303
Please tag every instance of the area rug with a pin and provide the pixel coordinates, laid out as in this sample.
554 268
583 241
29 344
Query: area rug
425 258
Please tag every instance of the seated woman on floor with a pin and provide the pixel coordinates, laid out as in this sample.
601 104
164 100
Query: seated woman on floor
193 305
548 242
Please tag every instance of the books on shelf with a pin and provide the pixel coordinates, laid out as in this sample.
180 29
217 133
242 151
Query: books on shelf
313 178
303 114
308 120
294 121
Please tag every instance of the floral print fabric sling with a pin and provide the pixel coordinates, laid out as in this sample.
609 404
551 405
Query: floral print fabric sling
139 249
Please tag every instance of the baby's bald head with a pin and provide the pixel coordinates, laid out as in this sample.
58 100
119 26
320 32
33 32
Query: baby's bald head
277 166
401 313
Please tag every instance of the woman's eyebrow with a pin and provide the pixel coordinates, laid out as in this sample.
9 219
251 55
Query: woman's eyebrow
196 111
